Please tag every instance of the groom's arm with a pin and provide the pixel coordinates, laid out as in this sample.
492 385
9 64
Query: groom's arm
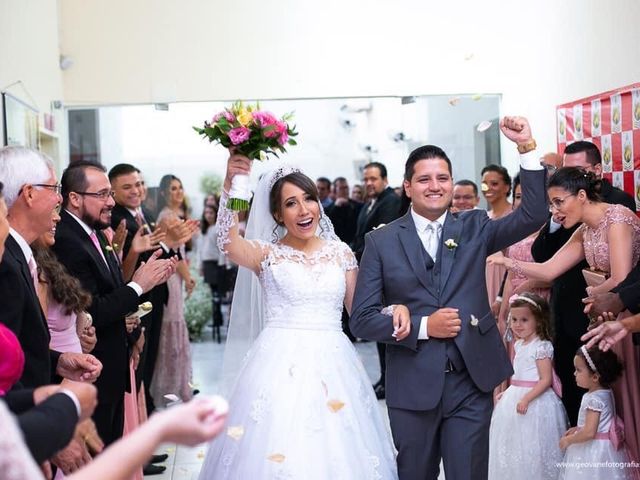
366 321
532 212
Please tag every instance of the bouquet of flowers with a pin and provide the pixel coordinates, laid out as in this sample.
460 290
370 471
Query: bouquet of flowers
251 132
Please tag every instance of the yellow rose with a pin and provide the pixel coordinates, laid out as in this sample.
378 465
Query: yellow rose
616 115
607 156
561 128
596 119
636 111
627 153
244 117
578 124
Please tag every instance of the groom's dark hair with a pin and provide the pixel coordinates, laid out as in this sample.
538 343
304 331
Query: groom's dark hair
426 152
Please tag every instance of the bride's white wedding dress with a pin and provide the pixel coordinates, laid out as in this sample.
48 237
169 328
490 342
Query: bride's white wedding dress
302 406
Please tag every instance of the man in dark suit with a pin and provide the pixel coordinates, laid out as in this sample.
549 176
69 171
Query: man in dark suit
382 207
83 249
568 290
127 187
443 369
344 211
32 196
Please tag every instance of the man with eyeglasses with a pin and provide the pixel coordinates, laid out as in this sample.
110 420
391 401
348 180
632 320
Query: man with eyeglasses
465 196
32 194
552 162
87 201
568 290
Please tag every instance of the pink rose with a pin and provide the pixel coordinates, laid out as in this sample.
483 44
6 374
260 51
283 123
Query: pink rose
238 135
283 138
226 114
264 119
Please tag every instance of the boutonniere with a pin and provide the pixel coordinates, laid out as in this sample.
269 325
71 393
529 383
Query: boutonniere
450 243
108 248
474 321
379 226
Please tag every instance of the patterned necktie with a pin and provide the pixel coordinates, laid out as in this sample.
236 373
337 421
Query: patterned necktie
432 239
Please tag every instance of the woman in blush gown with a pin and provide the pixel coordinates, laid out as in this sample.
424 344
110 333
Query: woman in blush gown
172 374
496 187
609 239
302 405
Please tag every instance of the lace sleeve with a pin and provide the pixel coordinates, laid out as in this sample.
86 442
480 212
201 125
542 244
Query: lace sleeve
348 259
595 404
544 350
226 220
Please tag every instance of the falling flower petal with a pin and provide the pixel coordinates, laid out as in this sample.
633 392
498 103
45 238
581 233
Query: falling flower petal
276 457
476 97
468 56
200 455
172 397
453 101
484 187
483 126
324 388
194 385
235 432
335 405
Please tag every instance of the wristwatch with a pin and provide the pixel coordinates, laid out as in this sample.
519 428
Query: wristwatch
527 147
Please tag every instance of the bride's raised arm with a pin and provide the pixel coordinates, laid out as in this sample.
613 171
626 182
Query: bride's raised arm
240 251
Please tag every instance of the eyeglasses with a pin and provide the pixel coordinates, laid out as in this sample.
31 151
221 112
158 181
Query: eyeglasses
55 187
58 208
102 194
558 202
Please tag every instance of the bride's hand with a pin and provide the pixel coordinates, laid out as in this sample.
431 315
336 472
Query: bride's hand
401 322
236 165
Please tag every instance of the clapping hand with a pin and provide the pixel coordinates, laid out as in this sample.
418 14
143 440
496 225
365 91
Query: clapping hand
143 243
178 232
154 271
516 129
119 236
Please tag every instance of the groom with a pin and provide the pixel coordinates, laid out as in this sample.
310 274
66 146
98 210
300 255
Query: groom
440 378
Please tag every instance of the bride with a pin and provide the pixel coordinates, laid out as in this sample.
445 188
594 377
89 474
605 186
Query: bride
302 405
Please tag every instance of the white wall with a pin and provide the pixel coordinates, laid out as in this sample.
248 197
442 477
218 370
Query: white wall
29 52
537 54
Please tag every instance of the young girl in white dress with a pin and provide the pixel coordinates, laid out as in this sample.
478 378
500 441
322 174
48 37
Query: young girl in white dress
529 418
590 452
302 406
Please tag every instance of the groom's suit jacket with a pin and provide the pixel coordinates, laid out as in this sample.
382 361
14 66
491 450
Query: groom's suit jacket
111 301
395 269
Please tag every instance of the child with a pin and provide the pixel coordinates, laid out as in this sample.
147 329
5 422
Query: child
529 418
589 444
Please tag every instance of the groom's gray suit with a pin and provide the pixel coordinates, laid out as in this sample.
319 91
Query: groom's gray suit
436 414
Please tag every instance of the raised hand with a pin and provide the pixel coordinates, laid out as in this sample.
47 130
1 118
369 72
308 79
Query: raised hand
237 164
444 323
143 243
119 236
516 129
155 271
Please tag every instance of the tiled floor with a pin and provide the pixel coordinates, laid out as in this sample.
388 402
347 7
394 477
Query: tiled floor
183 462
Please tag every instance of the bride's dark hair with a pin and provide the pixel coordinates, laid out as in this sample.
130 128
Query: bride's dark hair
574 179
298 179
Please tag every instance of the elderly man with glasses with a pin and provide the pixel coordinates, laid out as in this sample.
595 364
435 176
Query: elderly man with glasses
87 201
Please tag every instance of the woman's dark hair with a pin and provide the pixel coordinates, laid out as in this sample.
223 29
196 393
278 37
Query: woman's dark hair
204 225
64 288
163 189
516 182
500 170
607 364
298 179
574 179
542 313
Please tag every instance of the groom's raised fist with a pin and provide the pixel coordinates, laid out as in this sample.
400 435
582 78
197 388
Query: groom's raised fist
516 129
444 323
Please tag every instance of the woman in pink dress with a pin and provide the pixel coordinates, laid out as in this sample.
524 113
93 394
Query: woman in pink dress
496 187
64 301
609 239
173 364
